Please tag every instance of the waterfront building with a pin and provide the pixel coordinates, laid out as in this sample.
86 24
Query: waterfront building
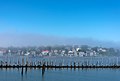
81 54
45 52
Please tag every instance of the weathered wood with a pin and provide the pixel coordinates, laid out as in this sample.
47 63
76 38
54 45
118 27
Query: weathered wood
55 66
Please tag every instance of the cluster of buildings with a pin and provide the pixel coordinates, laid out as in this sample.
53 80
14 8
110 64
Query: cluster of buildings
81 51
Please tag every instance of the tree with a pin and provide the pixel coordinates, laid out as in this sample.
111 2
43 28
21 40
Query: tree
84 48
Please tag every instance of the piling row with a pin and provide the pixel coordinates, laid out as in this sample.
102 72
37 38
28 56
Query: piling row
52 64
57 66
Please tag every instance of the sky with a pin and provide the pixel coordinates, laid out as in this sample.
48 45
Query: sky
96 19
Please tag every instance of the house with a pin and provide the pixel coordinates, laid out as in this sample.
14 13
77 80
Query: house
45 52
102 49
70 53
81 54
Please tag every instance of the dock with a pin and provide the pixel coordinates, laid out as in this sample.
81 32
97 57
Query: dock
72 67
91 63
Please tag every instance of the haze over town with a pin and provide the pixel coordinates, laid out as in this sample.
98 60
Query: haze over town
20 40
35 23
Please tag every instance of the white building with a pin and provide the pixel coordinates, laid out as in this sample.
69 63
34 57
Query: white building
81 54
102 49
46 52
70 53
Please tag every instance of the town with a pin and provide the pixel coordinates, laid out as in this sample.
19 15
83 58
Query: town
68 50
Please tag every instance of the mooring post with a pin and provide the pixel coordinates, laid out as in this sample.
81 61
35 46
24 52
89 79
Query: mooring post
22 61
40 63
78 65
117 61
74 65
67 65
52 63
1 63
43 69
71 65
47 64
6 63
18 64
63 62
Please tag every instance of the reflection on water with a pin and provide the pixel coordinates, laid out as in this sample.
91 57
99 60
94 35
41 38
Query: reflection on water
24 73
43 72
35 74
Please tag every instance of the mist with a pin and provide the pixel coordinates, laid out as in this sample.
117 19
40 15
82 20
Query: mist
20 40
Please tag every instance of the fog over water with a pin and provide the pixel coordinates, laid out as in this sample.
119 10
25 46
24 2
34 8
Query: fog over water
38 40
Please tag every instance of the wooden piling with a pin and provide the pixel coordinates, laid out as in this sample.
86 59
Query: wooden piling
97 63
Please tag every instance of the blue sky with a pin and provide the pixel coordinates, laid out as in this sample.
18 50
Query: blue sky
97 19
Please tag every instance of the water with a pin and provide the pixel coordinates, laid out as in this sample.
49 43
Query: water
60 75
35 74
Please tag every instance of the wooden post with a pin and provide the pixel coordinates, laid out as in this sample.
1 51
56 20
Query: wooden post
22 61
22 71
43 69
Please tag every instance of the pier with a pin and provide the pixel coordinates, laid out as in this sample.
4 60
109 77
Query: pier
55 66
94 62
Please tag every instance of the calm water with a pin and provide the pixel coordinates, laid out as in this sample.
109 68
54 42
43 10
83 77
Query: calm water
60 75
